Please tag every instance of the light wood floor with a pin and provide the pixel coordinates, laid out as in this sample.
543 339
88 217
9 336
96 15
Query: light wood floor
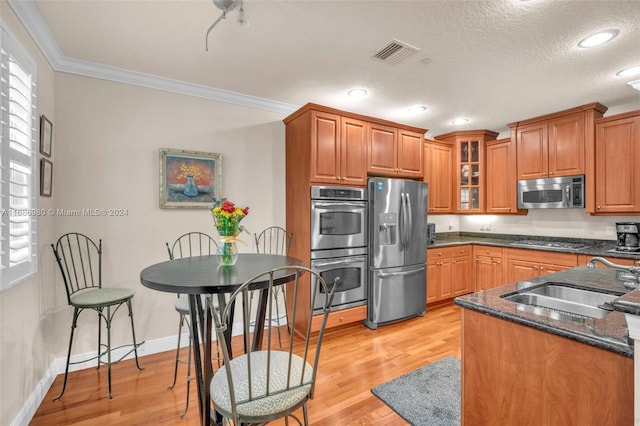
354 359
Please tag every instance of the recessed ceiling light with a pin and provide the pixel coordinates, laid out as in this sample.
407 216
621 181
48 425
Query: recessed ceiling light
598 38
627 72
635 84
417 108
357 93
459 121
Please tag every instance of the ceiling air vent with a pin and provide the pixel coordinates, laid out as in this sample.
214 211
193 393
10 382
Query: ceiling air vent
395 52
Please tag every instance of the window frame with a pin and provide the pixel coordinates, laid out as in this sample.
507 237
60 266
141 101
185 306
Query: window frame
18 198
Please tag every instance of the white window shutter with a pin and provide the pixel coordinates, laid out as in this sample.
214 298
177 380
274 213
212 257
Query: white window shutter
18 162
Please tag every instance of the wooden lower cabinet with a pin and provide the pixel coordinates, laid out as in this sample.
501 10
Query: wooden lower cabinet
489 267
517 375
449 273
525 264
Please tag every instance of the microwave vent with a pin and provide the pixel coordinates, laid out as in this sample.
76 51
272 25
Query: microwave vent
395 52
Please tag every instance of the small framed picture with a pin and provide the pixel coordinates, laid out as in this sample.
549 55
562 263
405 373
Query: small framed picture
46 136
46 177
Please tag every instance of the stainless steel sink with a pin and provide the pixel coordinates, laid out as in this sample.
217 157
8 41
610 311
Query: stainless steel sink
559 297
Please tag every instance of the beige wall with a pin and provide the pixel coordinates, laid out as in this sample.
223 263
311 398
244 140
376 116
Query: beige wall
24 322
105 155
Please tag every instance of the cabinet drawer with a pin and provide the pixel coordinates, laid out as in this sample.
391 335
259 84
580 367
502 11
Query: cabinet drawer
488 251
541 256
448 252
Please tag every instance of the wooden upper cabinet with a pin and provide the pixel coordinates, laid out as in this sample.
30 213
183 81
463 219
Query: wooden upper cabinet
469 168
438 174
337 150
567 145
501 184
556 144
617 164
394 152
532 151
410 154
353 158
383 149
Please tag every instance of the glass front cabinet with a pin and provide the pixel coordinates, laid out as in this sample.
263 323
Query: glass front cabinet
469 168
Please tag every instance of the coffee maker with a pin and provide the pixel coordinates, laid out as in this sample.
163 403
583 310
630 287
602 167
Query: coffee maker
628 236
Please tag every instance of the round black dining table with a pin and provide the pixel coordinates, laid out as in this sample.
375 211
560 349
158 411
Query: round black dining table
202 275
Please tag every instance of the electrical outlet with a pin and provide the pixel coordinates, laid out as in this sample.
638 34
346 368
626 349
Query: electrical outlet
488 226
611 231
482 227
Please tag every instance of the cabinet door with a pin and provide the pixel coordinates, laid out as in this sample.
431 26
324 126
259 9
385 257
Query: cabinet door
617 161
353 158
501 177
462 277
438 280
532 151
325 148
438 173
382 151
410 154
567 145
521 270
470 176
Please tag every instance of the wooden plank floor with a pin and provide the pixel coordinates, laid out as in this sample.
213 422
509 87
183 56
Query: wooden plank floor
354 359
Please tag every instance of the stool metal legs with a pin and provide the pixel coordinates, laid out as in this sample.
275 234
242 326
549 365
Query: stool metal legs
183 319
102 348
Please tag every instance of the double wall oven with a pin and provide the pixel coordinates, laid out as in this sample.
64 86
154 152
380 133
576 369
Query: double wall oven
339 242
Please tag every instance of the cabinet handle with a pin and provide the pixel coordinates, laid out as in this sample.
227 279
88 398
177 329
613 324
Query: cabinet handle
598 207
550 173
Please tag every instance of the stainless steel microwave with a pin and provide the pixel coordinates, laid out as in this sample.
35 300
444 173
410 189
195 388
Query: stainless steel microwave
566 192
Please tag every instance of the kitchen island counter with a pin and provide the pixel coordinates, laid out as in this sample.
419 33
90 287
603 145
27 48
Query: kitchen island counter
609 333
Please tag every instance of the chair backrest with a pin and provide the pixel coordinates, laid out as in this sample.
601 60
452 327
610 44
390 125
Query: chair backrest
257 373
80 262
273 240
192 244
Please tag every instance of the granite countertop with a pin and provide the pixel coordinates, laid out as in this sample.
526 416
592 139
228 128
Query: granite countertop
609 333
593 247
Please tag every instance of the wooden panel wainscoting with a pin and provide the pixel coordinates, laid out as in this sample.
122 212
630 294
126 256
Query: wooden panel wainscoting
543 379
353 360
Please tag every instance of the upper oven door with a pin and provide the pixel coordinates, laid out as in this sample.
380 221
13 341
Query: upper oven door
338 224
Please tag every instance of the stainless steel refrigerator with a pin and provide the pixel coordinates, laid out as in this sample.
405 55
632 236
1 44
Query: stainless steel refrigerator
397 284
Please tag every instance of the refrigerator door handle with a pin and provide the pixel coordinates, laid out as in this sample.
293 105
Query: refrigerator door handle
410 215
398 274
405 221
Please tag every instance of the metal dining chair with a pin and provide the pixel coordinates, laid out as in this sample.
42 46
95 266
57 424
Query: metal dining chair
80 261
274 240
270 382
188 245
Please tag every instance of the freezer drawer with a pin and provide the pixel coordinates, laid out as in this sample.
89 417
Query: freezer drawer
396 294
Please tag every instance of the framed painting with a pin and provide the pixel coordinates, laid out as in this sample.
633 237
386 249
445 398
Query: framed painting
46 136
189 179
46 177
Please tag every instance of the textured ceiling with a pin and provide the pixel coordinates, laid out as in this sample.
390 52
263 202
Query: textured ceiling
495 62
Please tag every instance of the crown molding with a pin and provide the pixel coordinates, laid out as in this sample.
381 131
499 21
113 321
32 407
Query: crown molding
37 28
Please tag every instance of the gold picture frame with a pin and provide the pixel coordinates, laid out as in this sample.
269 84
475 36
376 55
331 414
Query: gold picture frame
189 179
46 136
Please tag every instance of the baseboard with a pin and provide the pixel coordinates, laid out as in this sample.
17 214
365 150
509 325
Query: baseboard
150 347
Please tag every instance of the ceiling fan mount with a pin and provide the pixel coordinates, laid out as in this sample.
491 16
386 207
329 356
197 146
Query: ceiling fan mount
227 6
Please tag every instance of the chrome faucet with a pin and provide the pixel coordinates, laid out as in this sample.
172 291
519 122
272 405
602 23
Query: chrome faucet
629 275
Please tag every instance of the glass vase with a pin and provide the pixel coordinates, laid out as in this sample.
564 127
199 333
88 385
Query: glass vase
190 188
227 251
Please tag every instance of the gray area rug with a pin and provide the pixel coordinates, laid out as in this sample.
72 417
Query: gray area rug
428 396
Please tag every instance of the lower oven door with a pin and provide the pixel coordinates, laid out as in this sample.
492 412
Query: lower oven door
351 275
